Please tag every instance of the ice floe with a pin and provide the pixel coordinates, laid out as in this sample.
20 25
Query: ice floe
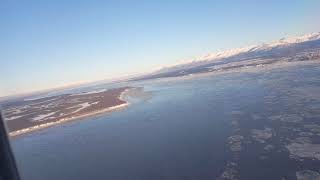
268 147
313 128
289 118
261 135
306 134
230 173
235 143
307 175
303 148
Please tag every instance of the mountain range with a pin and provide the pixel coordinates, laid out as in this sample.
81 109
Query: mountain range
298 48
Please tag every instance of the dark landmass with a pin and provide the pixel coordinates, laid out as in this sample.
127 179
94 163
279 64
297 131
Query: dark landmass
27 115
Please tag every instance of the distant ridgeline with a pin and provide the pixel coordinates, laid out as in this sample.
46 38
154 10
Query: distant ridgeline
300 48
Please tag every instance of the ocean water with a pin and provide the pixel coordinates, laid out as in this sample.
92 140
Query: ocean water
179 130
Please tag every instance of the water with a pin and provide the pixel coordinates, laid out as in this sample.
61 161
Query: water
181 132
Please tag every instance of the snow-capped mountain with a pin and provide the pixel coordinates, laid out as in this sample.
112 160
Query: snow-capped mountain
253 49
287 41
300 48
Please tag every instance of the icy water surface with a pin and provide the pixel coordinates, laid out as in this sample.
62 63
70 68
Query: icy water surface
260 124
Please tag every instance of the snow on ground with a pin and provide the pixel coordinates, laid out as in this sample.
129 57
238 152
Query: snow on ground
83 106
12 118
48 124
42 116
13 110
89 92
218 56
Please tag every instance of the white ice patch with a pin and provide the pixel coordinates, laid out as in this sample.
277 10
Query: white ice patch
38 98
261 135
13 110
12 118
32 99
235 143
307 175
268 147
43 116
89 92
313 127
82 106
230 173
304 150
287 118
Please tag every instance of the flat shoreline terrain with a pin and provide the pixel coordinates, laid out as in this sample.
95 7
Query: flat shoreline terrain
30 115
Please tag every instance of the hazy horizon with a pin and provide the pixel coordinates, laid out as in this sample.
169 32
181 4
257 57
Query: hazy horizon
50 45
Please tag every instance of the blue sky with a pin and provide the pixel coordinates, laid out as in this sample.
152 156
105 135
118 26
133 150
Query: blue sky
46 44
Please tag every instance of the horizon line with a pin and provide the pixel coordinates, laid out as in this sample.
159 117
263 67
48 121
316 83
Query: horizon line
123 77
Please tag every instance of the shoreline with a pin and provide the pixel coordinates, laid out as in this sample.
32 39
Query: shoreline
254 68
64 120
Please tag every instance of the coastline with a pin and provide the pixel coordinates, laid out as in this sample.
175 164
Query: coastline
64 120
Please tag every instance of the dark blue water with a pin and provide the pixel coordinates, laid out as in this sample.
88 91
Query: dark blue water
180 133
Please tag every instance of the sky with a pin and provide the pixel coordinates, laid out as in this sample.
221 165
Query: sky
54 43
